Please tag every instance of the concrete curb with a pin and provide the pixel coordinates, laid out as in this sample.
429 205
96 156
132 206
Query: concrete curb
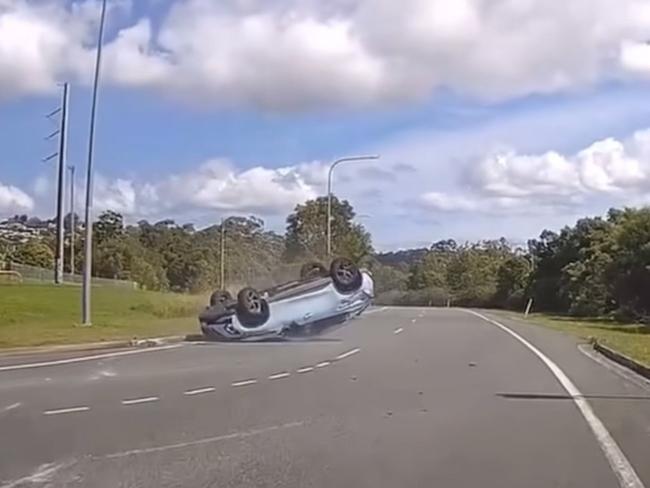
91 346
622 359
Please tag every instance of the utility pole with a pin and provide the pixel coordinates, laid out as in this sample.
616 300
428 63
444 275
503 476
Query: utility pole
222 269
88 243
329 194
62 132
73 220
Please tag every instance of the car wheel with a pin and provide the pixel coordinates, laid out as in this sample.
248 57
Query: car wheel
220 297
252 309
312 270
345 275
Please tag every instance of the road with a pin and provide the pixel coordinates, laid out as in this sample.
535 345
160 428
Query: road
402 397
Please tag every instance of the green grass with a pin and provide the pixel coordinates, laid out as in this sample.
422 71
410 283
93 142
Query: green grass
633 340
37 314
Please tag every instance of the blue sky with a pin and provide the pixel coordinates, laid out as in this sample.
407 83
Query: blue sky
209 110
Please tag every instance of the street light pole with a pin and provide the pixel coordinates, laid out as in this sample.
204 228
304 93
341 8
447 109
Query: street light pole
73 221
88 244
222 268
329 193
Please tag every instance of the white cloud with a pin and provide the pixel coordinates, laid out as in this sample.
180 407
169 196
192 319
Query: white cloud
118 195
449 203
298 54
635 57
511 182
13 200
214 185
42 43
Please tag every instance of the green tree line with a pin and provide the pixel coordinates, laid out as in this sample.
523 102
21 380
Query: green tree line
166 255
599 266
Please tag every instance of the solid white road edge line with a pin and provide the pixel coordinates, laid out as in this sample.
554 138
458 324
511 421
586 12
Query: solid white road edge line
620 465
617 369
305 370
347 354
323 364
198 391
66 410
208 440
86 358
398 331
278 376
244 383
135 401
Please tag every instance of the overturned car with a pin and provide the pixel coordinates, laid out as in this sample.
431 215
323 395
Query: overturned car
321 298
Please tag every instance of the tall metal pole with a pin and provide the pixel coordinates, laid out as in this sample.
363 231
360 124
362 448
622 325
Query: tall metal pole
58 268
329 193
88 244
222 275
73 220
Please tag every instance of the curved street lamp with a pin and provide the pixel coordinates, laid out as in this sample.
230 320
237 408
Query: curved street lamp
329 192
88 242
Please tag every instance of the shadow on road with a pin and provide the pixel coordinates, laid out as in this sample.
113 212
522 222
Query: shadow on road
545 396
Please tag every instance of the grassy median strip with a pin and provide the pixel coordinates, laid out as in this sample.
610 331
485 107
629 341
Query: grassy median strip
37 314
633 340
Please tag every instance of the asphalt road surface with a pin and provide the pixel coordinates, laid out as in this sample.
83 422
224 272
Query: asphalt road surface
398 398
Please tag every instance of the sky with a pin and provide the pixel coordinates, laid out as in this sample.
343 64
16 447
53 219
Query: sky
492 117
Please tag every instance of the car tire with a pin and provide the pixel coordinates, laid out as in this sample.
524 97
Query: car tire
220 297
345 275
252 309
312 270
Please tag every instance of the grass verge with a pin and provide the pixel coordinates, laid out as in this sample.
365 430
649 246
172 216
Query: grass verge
633 340
37 314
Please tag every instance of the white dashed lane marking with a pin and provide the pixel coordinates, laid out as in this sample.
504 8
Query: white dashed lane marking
198 391
398 331
11 407
413 320
279 376
347 354
208 389
136 401
66 410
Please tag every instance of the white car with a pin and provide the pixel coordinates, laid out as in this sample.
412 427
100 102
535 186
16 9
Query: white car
321 298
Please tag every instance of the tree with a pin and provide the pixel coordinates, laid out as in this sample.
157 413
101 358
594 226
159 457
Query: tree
388 278
306 235
512 279
109 225
35 252
629 270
